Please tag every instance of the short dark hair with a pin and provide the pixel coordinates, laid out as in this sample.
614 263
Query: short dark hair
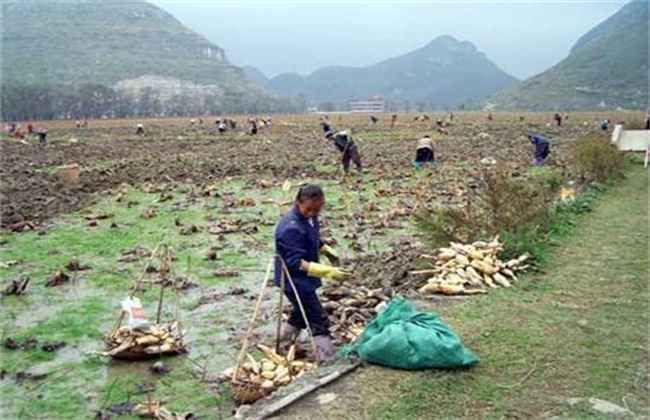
309 192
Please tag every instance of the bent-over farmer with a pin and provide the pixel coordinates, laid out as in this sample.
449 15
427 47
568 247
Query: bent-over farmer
542 148
343 141
424 152
298 247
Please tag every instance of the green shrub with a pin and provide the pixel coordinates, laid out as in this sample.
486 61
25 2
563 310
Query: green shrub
597 159
523 240
521 210
550 177
503 204
442 225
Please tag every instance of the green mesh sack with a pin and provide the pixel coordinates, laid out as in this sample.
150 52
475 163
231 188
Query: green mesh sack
401 337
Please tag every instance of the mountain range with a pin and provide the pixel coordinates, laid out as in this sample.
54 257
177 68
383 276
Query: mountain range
444 73
63 58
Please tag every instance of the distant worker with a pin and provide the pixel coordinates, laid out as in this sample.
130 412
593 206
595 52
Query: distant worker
253 126
424 152
393 120
228 122
542 148
78 123
42 135
222 127
489 117
558 119
604 124
139 130
373 120
325 124
647 121
347 147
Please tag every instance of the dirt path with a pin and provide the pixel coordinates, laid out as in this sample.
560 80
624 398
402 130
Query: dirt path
580 330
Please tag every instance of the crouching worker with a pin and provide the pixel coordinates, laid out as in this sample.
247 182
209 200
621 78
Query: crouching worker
542 148
298 247
424 152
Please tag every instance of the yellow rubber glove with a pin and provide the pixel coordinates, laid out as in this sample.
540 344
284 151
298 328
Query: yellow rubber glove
326 271
331 254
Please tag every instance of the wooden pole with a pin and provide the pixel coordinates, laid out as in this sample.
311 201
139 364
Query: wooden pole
244 346
144 271
278 331
160 302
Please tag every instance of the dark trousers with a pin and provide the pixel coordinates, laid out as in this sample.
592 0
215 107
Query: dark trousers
318 321
424 155
542 151
351 154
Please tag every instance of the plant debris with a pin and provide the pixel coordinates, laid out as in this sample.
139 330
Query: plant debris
7 264
17 286
159 368
350 308
59 278
149 409
227 272
152 409
52 346
28 343
75 265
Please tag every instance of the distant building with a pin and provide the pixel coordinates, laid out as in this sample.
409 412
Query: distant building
375 104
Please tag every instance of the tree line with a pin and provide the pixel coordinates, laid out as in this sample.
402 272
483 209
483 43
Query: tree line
21 103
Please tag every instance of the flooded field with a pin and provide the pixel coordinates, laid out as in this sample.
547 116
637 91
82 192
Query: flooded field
214 199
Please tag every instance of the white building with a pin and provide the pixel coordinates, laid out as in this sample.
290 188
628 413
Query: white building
375 104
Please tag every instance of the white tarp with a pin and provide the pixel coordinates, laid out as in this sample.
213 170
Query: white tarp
631 140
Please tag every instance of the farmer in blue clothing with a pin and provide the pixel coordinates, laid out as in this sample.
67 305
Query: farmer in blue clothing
298 247
542 148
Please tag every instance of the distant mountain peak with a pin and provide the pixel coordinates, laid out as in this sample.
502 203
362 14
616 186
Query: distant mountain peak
449 43
445 72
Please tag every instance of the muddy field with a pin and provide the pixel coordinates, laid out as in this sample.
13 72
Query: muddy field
214 200
109 154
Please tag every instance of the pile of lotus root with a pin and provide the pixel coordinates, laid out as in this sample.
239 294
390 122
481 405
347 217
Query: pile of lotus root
470 269
152 409
349 309
255 380
145 342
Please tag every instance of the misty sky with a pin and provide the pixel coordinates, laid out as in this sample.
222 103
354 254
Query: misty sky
522 37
